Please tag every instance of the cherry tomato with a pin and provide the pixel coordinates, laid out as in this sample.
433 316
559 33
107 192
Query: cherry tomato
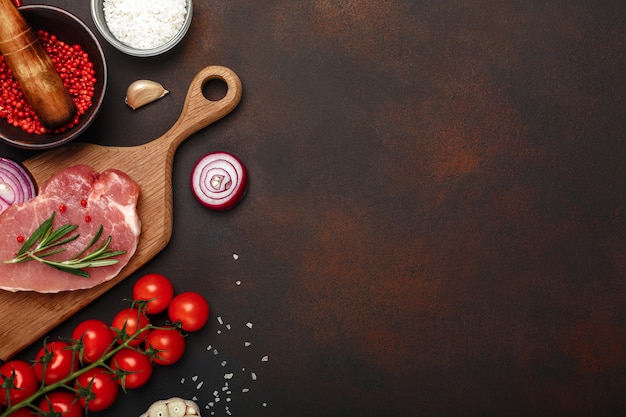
190 309
168 345
23 412
97 339
127 323
23 385
97 389
63 402
136 368
156 289
60 361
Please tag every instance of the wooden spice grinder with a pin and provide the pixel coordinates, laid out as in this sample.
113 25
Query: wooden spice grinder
33 69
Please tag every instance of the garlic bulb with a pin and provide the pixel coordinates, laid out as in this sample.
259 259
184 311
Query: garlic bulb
142 92
173 407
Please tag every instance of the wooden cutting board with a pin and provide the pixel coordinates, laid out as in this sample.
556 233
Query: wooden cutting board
27 315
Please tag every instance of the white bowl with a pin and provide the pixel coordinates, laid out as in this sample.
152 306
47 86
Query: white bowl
97 13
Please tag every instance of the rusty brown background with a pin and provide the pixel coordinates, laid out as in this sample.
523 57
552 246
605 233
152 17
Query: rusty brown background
435 223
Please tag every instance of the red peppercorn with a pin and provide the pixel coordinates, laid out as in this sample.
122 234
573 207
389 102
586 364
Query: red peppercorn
62 208
20 238
87 219
76 71
83 203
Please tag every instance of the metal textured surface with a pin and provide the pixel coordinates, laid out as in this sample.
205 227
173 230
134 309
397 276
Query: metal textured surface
435 223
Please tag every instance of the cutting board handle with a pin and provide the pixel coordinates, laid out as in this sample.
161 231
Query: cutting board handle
198 111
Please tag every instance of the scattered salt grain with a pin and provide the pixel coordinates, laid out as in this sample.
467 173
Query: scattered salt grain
225 390
144 24
235 256
238 282
219 332
182 380
194 378
200 385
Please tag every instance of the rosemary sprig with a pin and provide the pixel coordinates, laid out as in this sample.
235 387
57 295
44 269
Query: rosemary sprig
46 241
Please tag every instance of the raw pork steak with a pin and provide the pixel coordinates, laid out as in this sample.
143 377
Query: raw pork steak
80 196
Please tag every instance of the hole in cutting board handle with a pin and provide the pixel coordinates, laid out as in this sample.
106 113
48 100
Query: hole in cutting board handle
214 89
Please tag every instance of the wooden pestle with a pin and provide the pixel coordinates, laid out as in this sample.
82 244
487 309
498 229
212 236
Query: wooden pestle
33 69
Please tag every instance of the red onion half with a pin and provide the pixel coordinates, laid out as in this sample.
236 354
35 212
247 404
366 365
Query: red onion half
219 180
16 184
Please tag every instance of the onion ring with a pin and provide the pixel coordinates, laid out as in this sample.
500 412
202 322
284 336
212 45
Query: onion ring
219 181
16 183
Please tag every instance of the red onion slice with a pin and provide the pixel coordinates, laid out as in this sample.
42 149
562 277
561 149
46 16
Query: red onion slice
16 184
219 180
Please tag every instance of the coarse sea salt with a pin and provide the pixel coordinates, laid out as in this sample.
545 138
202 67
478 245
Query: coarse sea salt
144 24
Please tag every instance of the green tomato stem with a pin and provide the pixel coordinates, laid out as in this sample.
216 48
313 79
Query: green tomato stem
66 382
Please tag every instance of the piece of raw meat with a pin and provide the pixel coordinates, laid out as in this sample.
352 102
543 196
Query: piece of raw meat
81 196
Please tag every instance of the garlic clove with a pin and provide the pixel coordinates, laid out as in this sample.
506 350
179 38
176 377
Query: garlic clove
173 407
142 92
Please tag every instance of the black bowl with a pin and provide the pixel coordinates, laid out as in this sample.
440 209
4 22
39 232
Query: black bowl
69 29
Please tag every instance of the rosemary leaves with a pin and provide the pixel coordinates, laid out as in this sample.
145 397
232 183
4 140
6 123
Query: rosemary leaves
47 241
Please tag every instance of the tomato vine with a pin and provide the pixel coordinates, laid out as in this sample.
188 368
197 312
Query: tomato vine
126 357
